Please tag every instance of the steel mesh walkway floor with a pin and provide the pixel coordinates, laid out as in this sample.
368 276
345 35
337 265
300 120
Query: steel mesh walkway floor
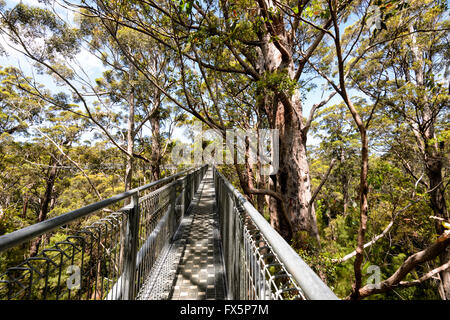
191 267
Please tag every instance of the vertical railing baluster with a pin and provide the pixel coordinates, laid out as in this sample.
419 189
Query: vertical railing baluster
228 237
183 198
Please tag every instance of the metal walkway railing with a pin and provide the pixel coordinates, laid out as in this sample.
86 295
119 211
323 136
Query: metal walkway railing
105 259
95 257
259 263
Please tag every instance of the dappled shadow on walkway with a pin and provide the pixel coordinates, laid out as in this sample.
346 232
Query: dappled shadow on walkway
192 268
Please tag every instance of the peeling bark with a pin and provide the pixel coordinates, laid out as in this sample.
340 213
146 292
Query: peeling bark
284 111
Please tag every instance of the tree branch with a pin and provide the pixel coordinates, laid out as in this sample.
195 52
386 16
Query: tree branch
426 276
313 110
324 179
414 260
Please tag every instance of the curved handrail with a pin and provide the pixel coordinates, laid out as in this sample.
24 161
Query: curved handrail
312 286
20 236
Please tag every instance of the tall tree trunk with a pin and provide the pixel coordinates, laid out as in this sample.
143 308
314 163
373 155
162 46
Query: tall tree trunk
292 181
362 128
46 199
363 204
259 179
432 154
156 146
344 183
433 168
130 143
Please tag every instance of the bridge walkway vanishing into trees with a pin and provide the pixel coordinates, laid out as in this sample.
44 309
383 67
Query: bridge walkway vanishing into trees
188 236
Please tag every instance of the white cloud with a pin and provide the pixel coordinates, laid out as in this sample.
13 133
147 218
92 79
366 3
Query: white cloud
13 57
90 63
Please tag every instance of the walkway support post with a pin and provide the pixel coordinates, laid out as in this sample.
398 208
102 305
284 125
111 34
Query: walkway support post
183 198
131 238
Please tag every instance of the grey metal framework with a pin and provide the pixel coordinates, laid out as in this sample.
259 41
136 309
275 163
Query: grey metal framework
112 257
259 263
114 254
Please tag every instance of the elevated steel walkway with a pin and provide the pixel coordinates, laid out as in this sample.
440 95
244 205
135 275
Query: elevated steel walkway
188 236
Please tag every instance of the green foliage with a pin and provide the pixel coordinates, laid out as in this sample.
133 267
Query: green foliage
38 23
278 81
185 6
17 106
322 264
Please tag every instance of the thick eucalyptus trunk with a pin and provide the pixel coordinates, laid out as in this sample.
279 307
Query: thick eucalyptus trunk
284 111
293 179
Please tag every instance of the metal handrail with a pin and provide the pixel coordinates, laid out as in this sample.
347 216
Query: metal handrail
112 256
18 237
308 281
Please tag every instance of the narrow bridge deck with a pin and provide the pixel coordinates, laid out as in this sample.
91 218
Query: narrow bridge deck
191 266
